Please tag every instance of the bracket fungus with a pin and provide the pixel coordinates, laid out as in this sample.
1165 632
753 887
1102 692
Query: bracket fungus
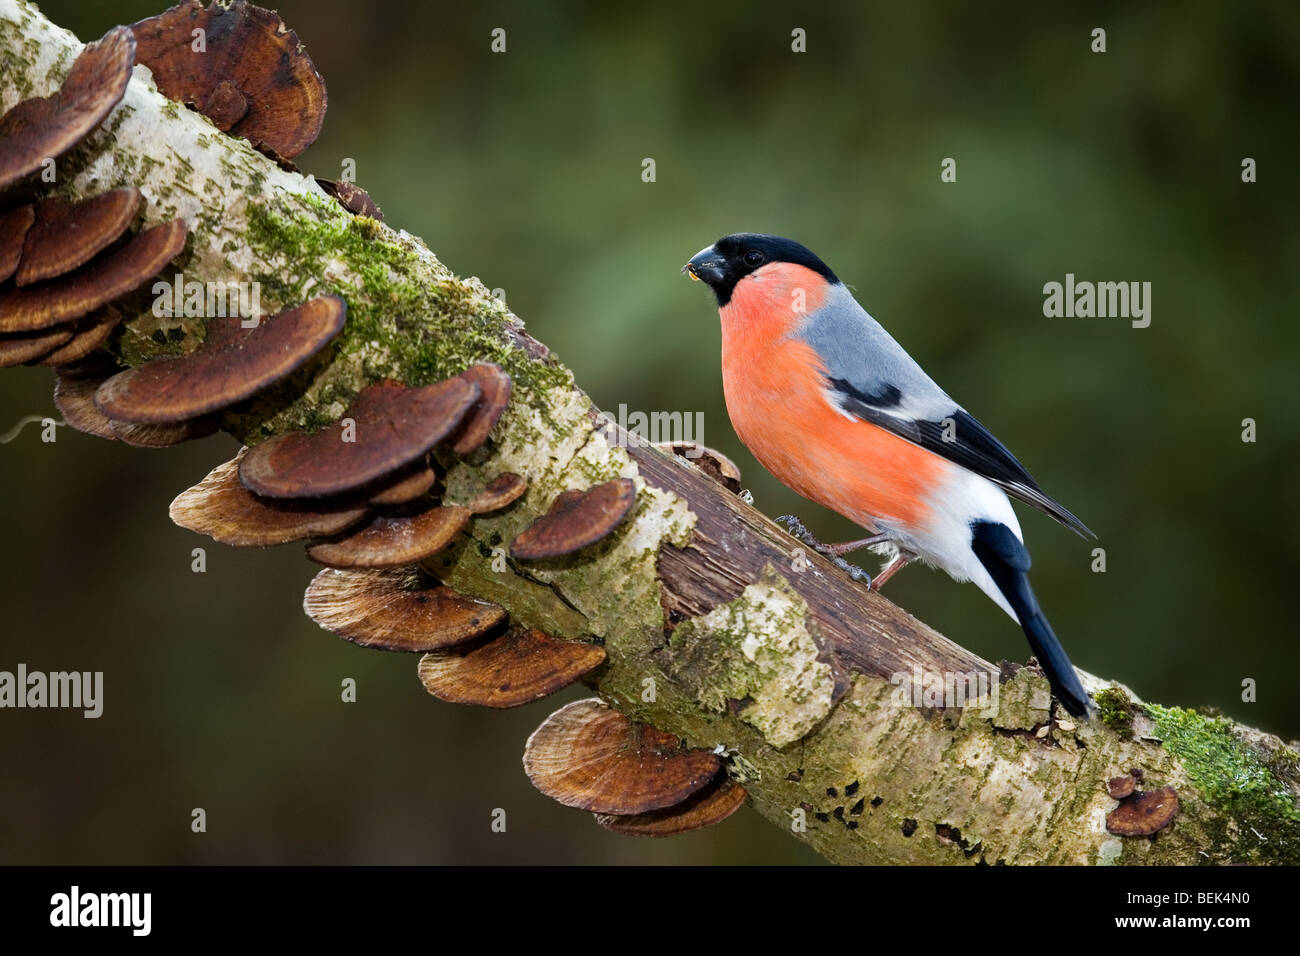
233 363
713 804
501 491
588 755
397 610
709 460
44 128
161 436
494 388
352 198
122 270
576 519
1143 813
14 224
85 337
226 106
66 234
223 509
74 394
252 77
404 486
17 349
520 666
1121 786
50 239
387 426
389 541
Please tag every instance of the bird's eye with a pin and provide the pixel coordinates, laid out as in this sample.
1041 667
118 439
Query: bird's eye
753 258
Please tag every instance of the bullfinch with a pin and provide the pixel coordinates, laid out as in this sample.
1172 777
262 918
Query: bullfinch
836 409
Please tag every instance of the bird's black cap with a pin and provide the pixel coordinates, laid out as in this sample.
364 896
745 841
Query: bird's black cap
733 257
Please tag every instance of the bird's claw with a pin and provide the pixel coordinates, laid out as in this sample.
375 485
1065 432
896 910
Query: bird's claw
852 570
794 525
797 528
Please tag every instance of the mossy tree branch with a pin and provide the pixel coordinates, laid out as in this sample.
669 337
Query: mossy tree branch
716 628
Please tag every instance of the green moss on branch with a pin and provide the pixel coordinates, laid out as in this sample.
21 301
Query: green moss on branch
1255 790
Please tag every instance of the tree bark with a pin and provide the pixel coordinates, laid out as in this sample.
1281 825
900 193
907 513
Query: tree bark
828 701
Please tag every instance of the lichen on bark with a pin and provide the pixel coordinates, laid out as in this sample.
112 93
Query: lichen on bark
757 655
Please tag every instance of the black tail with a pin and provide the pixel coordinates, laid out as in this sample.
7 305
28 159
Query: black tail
1007 562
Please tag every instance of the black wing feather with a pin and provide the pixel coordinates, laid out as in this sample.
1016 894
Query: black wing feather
968 443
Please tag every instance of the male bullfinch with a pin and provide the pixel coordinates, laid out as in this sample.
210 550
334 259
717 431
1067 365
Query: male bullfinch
833 407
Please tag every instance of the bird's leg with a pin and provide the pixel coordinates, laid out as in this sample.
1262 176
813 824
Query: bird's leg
896 564
836 553
839 550
796 528
832 551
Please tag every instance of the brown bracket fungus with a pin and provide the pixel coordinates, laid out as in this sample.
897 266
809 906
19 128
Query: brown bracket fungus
402 610
404 486
387 427
78 293
164 435
709 460
226 106
1144 813
1120 787
233 363
352 198
74 394
44 128
85 337
494 385
588 755
253 78
520 666
502 490
52 238
14 224
713 804
390 541
66 234
17 349
223 509
575 520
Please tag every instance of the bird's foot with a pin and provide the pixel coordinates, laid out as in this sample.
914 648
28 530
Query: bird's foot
797 528
852 570
832 551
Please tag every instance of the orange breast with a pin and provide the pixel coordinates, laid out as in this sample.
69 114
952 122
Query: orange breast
774 392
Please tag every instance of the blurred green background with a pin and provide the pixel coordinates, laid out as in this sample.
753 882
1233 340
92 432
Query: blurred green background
525 169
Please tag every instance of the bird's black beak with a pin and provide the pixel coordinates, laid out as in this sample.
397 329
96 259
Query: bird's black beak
707 266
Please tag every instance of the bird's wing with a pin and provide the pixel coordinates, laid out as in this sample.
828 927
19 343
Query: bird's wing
871 377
